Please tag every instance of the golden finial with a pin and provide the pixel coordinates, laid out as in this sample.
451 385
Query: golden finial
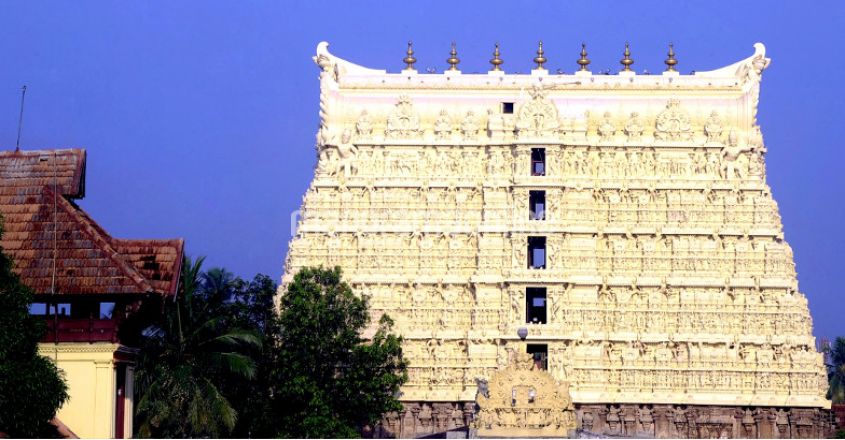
496 61
540 59
671 61
627 61
409 58
583 61
453 58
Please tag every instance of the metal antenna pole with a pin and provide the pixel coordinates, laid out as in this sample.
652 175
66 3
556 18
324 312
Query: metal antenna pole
20 119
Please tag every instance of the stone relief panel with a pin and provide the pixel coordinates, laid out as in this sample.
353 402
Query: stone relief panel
665 266
404 121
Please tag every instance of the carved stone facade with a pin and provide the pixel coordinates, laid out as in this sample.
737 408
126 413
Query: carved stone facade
672 304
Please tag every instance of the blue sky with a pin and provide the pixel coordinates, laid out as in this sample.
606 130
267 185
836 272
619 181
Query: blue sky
199 117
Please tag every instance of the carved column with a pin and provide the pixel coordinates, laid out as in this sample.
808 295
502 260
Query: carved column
469 413
629 421
646 416
765 423
782 424
614 421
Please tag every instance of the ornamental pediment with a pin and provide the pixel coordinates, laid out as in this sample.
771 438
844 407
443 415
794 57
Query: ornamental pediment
523 400
404 121
538 117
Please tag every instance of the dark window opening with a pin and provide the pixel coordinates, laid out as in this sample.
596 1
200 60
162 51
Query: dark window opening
537 205
507 108
540 352
536 252
535 305
538 161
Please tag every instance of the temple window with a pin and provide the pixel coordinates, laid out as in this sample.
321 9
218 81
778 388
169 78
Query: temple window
535 305
536 252
540 353
537 205
507 108
538 161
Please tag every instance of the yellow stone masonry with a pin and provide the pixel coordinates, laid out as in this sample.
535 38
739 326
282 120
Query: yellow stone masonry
667 276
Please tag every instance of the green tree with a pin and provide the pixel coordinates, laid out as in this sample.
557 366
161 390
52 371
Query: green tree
836 375
31 387
188 356
328 381
252 306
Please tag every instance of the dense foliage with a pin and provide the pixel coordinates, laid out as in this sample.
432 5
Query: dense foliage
327 380
187 355
836 376
221 361
31 387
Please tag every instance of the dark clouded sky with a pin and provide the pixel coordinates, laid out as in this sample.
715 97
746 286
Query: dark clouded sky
199 117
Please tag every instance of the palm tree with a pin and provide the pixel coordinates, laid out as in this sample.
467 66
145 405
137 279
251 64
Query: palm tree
836 372
186 357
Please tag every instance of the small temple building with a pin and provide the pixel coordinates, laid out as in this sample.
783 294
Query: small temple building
618 228
85 283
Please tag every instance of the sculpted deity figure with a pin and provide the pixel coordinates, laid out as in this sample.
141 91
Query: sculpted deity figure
648 162
699 162
673 124
537 117
606 295
346 153
364 126
469 126
607 129
443 126
620 163
730 155
713 128
496 163
594 160
520 256
337 155
403 122
755 164
755 159
634 127
327 159
712 164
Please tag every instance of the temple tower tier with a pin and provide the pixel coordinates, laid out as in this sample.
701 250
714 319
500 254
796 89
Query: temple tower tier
618 228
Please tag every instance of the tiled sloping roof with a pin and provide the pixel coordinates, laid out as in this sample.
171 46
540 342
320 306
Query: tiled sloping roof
159 261
45 230
36 168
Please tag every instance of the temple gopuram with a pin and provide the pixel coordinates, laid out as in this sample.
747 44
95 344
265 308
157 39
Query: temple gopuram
616 228
86 285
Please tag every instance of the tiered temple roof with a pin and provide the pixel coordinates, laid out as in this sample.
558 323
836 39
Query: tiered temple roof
58 248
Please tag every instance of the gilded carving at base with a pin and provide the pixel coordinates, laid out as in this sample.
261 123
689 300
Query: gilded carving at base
524 401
